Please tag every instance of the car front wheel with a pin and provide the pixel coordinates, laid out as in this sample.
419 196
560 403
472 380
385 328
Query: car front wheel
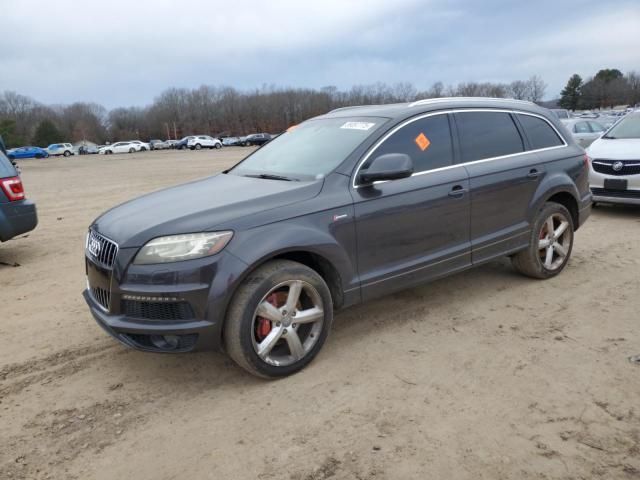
198 146
67 153
218 145
551 243
279 319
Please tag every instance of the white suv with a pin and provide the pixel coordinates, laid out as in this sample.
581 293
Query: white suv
614 176
203 141
140 146
65 149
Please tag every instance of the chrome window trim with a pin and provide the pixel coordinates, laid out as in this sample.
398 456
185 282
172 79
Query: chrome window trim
445 112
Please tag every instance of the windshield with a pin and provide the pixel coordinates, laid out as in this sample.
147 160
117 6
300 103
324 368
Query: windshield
628 127
310 150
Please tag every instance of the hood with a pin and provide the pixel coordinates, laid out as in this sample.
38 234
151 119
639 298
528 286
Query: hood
198 206
617 149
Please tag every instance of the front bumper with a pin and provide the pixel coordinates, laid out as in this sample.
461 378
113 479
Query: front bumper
138 304
150 335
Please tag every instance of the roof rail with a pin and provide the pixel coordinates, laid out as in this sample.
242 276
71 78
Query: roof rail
351 107
428 101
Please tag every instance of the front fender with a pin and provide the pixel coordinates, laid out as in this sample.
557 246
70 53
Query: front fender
318 233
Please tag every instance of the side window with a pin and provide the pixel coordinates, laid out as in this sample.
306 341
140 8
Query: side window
427 141
581 127
487 134
596 127
539 132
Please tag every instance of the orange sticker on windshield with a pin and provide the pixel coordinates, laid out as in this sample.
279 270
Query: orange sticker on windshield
423 142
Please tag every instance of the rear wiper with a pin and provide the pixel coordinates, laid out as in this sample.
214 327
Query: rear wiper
269 176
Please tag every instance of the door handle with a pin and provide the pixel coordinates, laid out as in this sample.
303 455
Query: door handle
533 173
457 191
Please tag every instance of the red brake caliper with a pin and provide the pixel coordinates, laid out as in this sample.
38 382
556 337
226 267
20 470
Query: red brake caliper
264 325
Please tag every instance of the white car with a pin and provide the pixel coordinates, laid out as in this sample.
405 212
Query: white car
203 141
119 147
585 131
140 146
65 149
614 175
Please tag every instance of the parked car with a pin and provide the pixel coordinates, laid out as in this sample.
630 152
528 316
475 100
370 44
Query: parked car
56 149
584 131
27 152
140 146
159 145
203 141
256 139
348 207
17 214
614 176
561 113
231 141
119 147
183 143
172 143
89 149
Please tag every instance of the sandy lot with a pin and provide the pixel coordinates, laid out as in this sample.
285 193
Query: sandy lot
485 374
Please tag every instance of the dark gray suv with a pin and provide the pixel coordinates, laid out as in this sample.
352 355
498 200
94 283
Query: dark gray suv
344 208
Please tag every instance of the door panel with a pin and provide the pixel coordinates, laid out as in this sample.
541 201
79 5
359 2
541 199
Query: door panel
501 193
412 230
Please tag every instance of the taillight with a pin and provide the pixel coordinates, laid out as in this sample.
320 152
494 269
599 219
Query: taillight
12 188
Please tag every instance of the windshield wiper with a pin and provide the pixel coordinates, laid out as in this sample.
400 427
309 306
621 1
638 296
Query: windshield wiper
609 137
270 176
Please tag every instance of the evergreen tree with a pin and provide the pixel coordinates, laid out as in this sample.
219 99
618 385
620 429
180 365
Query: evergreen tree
571 94
46 134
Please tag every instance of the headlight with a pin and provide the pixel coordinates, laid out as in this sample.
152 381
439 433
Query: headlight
176 248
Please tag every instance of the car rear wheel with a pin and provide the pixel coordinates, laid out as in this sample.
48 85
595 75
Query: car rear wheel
279 319
550 246
217 145
67 153
39 155
198 146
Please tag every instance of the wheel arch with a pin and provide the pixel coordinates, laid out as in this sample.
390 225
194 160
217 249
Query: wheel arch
561 189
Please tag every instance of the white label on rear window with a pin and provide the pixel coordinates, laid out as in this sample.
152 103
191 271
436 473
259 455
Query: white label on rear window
358 125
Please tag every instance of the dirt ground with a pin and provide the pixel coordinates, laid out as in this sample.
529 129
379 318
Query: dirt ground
483 375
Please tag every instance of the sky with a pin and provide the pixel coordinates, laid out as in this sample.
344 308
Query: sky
124 53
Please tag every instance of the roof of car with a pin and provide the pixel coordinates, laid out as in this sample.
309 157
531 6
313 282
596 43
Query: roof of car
403 110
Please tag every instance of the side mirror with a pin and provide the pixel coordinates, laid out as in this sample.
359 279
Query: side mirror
391 166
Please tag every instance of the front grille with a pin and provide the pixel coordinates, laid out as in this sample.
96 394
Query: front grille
629 167
102 296
157 310
101 250
603 192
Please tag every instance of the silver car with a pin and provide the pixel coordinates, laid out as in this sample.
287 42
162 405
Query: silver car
585 131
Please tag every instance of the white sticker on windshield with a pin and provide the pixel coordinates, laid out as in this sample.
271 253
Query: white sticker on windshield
358 125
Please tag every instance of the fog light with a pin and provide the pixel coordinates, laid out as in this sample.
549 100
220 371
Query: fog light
165 342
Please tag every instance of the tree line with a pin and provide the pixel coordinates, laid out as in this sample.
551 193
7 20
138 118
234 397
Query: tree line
607 88
223 110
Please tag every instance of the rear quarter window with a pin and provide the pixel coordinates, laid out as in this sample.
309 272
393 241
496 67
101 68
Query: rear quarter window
487 135
6 167
539 132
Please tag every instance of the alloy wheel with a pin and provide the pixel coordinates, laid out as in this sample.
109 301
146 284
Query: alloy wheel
287 323
554 241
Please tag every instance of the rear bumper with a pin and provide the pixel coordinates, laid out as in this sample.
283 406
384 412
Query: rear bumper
17 218
147 335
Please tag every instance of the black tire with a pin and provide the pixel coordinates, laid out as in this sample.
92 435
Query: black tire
67 153
247 144
132 150
529 262
39 155
217 146
108 152
198 146
239 329
594 205
143 149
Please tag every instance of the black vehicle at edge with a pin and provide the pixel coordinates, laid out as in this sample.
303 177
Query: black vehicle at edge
347 207
256 139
